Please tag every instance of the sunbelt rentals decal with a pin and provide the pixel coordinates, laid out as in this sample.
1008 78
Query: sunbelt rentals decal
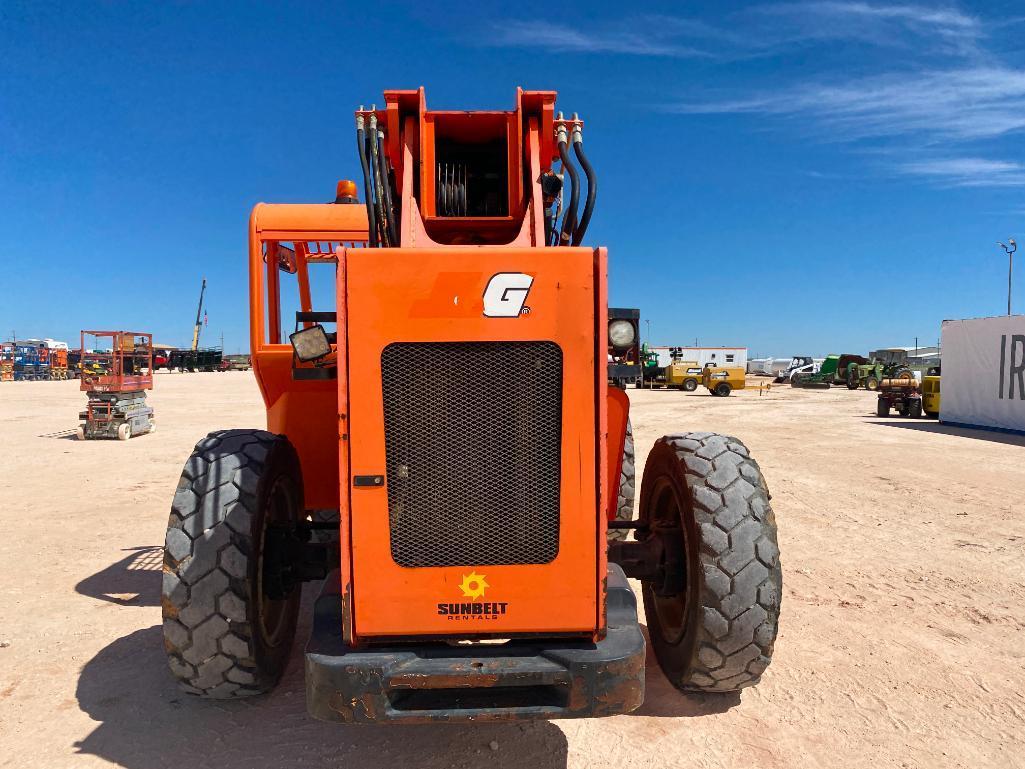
474 586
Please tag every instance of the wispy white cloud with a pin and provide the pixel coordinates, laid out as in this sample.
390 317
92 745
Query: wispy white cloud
877 24
938 95
755 32
632 39
931 112
954 104
969 171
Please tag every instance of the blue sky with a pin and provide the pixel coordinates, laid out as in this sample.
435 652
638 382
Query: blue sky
797 177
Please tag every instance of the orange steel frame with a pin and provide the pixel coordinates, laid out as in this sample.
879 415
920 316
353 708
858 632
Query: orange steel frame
115 379
426 290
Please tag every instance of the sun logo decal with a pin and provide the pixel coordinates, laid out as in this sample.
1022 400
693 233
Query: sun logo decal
473 585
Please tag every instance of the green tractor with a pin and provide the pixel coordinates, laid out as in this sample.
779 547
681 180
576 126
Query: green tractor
651 373
885 364
821 379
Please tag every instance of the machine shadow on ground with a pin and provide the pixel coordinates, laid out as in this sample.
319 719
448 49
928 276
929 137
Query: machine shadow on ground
931 426
62 435
663 700
146 722
133 580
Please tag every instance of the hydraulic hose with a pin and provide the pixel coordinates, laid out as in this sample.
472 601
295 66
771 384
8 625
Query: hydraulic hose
592 186
551 192
569 221
389 211
375 164
368 193
554 240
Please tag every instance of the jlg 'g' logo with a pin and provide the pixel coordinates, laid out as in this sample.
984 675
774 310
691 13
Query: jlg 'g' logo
506 295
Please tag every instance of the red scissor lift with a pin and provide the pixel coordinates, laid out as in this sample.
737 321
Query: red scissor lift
116 375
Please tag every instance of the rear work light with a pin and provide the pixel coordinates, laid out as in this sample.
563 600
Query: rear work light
310 344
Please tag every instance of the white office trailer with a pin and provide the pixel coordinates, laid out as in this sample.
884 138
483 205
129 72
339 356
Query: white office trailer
716 356
983 375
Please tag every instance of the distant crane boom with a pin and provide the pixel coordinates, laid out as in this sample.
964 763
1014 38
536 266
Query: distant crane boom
199 318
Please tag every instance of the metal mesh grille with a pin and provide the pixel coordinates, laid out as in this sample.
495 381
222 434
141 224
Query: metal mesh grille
472 435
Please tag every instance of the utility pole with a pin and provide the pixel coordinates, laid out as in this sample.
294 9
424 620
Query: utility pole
647 337
1009 249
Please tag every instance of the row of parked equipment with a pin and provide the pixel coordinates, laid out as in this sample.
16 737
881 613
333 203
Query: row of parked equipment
21 362
686 375
852 371
29 362
909 390
631 362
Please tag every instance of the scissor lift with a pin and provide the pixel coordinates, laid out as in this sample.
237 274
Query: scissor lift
7 362
116 380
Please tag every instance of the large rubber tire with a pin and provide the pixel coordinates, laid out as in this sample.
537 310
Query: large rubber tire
852 379
625 503
690 385
723 389
882 408
223 637
718 634
915 410
872 383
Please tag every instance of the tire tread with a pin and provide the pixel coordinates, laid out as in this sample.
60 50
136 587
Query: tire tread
207 632
740 574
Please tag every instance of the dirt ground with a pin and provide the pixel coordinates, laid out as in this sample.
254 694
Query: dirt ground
902 635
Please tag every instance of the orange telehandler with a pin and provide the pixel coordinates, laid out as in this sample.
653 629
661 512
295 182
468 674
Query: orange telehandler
443 452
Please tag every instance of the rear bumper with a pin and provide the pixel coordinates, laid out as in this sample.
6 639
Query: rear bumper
526 679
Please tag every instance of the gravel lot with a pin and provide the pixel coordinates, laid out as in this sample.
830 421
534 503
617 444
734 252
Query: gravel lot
902 635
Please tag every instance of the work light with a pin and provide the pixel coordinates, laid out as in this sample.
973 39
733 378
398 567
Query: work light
310 344
621 334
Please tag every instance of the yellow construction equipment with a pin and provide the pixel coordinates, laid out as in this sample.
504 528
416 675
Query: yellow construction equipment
722 381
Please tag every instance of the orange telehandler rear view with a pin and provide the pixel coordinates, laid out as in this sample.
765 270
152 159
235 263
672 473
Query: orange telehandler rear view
443 451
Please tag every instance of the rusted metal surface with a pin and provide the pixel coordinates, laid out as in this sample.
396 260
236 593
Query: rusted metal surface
521 679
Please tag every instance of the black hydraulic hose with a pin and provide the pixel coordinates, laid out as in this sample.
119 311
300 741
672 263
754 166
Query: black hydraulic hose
553 239
368 193
592 187
389 211
569 221
375 166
